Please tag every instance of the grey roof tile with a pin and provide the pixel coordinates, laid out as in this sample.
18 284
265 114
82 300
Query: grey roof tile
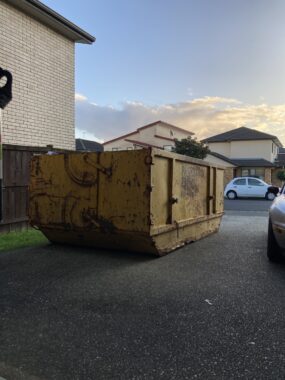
242 133
88 146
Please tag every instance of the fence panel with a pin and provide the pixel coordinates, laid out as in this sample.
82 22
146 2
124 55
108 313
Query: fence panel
16 172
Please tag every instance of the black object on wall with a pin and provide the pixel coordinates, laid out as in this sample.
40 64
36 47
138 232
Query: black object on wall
6 90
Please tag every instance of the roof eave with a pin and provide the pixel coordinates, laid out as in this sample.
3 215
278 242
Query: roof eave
274 139
54 20
278 142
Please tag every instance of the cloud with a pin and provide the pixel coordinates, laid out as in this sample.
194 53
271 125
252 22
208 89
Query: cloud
80 98
205 117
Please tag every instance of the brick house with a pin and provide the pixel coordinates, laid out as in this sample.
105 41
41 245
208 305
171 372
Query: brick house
245 152
37 46
158 134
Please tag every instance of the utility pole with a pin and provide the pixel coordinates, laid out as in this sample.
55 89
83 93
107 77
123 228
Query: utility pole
5 98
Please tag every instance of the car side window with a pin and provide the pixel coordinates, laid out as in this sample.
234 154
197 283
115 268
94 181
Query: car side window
254 182
240 182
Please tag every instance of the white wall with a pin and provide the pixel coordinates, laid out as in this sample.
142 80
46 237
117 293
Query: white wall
252 149
246 149
223 148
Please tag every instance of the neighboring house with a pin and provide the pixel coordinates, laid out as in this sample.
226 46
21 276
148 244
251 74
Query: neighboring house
244 152
158 134
88 146
37 46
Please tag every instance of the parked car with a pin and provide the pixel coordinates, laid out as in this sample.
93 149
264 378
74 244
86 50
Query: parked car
276 229
246 187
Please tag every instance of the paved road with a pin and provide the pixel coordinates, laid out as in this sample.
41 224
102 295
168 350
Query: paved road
247 205
212 310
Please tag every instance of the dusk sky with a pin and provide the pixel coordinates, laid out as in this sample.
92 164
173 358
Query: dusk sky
203 65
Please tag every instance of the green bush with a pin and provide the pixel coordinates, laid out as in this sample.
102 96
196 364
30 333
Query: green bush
191 147
281 175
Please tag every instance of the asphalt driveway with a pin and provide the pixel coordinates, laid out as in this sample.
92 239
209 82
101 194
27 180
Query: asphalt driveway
247 204
212 310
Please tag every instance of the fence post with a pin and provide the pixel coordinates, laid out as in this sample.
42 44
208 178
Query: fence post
5 98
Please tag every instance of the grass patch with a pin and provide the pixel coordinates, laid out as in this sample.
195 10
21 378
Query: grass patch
15 240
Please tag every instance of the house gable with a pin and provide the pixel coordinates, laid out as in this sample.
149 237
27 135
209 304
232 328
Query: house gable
158 134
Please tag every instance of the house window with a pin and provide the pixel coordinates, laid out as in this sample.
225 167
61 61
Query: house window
168 147
129 148
114 149
253 172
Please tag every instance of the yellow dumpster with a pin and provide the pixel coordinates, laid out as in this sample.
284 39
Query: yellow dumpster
147 200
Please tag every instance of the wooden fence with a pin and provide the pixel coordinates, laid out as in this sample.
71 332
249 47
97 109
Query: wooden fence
16 172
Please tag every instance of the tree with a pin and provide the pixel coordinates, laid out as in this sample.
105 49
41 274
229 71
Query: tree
191 147
281 175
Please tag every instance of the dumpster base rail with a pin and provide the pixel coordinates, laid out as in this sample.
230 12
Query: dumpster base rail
157 244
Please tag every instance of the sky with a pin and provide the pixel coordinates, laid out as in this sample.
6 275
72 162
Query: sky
204 65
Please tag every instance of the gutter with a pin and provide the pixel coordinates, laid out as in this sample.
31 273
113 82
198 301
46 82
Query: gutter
49 17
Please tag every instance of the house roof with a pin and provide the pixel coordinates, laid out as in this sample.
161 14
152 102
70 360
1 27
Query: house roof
149 126
221 157
88 145
242 134
252 162
167 124
54 20
142 144
281 150
245 162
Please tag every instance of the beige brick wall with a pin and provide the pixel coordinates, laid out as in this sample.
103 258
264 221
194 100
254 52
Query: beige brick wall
42 64
267 175
228 175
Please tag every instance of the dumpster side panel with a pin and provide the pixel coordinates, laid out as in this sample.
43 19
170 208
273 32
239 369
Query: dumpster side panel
93 197
161 191
188 196
219 196
190 189
124 195
61 188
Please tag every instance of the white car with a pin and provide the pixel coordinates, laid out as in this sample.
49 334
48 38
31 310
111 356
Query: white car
246 187
276 229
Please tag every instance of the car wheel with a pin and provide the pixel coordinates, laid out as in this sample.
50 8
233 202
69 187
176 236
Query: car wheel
274 252
231 195
270 196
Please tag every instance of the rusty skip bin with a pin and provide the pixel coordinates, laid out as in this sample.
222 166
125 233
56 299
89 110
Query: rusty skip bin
146 200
